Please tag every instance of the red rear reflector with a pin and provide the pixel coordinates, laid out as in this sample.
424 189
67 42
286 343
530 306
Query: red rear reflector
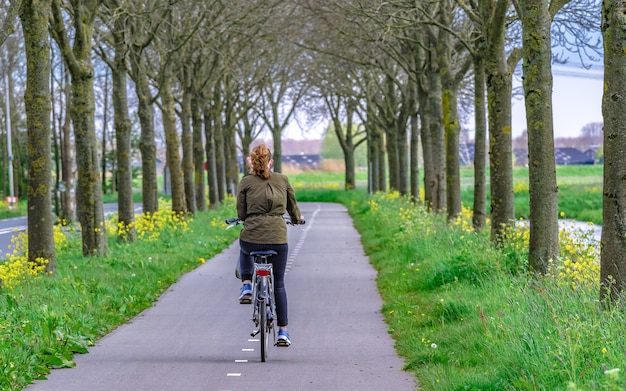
261 272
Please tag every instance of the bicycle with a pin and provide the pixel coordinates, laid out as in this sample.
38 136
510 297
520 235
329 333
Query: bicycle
263 307
263 304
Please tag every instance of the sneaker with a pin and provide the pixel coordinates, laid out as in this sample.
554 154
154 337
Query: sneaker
283 338
245 297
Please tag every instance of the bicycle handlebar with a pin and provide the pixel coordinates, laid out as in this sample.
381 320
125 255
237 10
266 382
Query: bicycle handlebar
233 221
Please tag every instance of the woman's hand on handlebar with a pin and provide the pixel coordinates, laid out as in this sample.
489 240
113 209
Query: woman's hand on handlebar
298 222
233 221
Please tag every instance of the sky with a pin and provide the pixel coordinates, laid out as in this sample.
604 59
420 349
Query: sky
576 102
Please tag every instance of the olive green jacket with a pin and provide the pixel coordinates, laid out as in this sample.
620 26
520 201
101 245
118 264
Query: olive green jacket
261 203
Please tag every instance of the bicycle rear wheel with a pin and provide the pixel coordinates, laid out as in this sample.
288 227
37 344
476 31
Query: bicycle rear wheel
263 329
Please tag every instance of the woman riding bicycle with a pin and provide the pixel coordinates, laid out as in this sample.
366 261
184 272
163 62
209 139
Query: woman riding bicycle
262 199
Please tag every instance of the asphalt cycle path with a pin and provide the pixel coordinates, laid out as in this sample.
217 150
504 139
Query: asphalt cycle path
197 335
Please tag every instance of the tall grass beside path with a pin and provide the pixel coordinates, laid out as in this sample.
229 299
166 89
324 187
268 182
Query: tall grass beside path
45 320
466 316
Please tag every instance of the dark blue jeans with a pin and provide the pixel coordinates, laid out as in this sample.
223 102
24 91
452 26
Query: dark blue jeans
279 264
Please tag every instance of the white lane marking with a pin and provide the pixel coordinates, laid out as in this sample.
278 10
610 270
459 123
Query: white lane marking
233 374
241 360
296 248
11 230
247 350
253 340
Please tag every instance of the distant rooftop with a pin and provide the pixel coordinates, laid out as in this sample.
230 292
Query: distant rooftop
294 147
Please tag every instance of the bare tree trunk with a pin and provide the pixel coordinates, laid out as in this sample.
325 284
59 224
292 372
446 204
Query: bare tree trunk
18 145
348 153
544 226
372 157
277 153
382 166
403 146
126 210
105 124
499 79
501 155
172 148
89 186
34 17
414 171
391 146
56 150
210 158
452 126
187 144
198 154
220 158
346 142
452 131
147 144
437 140
613 250
67 157
427 150
231 167
479 215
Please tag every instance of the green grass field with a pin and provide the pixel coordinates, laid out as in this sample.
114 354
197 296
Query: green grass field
580 189
464 314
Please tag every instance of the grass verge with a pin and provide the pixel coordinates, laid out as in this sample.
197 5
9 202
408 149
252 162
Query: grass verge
45 320
466 316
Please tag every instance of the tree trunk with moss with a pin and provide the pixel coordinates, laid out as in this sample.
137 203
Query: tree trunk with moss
198 153
401 130
187 147
414 186
613 253
543 190
437 180
374 157
34 17
210 158
387 113
78 57
147 144
451 124
381 149
220 157
427 152
121 122
68 204
352 140
172 147
479 215
499 87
